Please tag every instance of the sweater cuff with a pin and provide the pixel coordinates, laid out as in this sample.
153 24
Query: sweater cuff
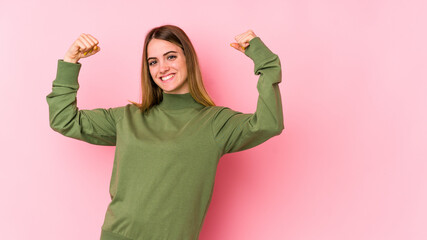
258 51
67 72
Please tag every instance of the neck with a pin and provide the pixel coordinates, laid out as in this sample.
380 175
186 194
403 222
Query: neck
178 101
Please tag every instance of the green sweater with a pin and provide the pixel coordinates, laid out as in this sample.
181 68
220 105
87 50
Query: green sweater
165 162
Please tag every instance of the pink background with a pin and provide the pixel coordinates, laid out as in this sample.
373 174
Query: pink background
350 164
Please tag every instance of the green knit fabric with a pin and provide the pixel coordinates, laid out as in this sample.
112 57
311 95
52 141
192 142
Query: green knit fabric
165 162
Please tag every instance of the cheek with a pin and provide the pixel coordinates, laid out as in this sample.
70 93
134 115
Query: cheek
183 67
152 72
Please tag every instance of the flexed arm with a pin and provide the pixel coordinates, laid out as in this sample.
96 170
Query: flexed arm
97 126
235 131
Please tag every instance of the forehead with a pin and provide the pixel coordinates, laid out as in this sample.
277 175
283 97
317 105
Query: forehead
157 47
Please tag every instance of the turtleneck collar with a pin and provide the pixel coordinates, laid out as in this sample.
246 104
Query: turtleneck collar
178 101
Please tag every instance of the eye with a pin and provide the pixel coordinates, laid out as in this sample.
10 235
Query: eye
170 57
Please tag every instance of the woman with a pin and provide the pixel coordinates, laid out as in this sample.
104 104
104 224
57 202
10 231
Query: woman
169 145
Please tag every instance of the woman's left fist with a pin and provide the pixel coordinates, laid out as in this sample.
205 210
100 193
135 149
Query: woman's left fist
242 40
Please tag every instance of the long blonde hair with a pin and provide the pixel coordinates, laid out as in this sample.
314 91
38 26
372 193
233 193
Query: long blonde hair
151 92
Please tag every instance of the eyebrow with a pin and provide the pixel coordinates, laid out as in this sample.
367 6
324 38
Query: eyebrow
163 55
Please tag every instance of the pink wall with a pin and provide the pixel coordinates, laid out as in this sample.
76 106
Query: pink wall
350 164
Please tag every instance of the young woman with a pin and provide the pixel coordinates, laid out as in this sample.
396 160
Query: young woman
168 146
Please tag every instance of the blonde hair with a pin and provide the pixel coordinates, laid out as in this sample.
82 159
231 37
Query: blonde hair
151 92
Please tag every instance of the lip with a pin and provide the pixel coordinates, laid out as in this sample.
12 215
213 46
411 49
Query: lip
172 78
166 75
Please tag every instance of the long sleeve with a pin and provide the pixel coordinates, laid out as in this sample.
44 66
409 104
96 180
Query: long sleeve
97 126
235 131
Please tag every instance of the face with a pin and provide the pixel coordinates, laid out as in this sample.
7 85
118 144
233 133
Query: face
167 65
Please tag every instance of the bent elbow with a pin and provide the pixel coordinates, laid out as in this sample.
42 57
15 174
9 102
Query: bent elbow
273 131
279 129
59 125
55 127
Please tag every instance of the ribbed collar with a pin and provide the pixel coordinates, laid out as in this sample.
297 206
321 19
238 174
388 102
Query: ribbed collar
178 101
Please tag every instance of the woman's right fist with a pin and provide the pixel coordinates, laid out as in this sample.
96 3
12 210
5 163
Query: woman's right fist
84 46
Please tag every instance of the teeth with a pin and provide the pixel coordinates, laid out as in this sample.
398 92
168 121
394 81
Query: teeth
168 77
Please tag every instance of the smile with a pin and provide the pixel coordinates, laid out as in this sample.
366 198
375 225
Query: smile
168 78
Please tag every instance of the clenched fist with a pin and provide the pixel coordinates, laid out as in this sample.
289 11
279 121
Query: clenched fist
243 40
84 46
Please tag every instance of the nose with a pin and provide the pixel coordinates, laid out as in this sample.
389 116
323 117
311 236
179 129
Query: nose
164 67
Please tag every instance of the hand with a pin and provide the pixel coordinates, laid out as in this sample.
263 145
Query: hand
84 46
243 40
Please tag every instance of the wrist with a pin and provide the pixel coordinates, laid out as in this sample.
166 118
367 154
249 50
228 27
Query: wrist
71 60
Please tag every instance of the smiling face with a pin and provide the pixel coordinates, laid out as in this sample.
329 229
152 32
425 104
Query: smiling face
167 65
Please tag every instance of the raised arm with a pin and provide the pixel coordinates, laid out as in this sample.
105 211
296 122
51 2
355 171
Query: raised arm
97 126
235 131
